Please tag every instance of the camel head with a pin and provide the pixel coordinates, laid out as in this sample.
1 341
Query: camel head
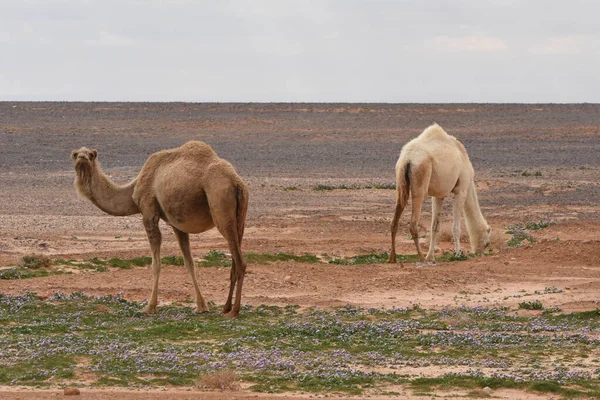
83 156
84 161
482 242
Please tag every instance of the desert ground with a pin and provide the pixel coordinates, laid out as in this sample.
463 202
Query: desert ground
533 163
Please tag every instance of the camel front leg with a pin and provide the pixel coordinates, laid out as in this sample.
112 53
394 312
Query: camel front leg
436 209
184 243
457 208
155 238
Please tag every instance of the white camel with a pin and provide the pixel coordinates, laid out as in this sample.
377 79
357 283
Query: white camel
437 164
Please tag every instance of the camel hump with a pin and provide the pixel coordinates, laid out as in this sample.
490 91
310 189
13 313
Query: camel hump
434 131
195 148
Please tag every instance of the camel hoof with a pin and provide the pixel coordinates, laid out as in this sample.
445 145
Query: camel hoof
231 314
201 310
149 310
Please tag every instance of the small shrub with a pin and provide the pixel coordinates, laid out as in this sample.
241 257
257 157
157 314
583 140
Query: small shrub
452 256
329 187
531 305
381 186
35 261
172 260
534 226
221 380
215 258
518 237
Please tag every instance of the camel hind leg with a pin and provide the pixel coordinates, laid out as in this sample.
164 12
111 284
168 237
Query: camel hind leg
419 185
184 243
402 193
236 277
229 217
394 230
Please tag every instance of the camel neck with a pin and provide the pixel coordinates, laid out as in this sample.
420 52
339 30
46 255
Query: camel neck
111 198
473 215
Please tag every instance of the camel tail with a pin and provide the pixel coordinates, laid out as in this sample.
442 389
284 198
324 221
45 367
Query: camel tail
241 194
403 186
403 191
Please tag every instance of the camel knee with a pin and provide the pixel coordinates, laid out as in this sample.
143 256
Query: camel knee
394 227
414 230
435 227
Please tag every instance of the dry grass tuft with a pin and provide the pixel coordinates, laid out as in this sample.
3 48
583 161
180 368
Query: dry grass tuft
445 234
35 261
498 239
222 380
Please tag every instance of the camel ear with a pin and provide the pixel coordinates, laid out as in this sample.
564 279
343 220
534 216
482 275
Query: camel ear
93 154
74 154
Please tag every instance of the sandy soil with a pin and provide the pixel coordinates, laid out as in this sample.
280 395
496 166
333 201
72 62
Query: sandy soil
280 147
95 394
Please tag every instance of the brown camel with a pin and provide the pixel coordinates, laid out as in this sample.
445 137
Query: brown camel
188 187
437 164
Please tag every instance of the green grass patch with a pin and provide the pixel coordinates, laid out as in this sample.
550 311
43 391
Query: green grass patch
360 259
386 186
519 232
518 237
172 260
269 258
380 258
452 256
280 349
23 273
527 173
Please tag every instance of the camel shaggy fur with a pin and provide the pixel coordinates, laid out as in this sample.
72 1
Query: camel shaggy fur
191 189
437 164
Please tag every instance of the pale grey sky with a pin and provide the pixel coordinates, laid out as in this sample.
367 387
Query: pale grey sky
301 50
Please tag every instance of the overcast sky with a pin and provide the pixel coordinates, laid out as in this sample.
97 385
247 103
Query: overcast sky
301 50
